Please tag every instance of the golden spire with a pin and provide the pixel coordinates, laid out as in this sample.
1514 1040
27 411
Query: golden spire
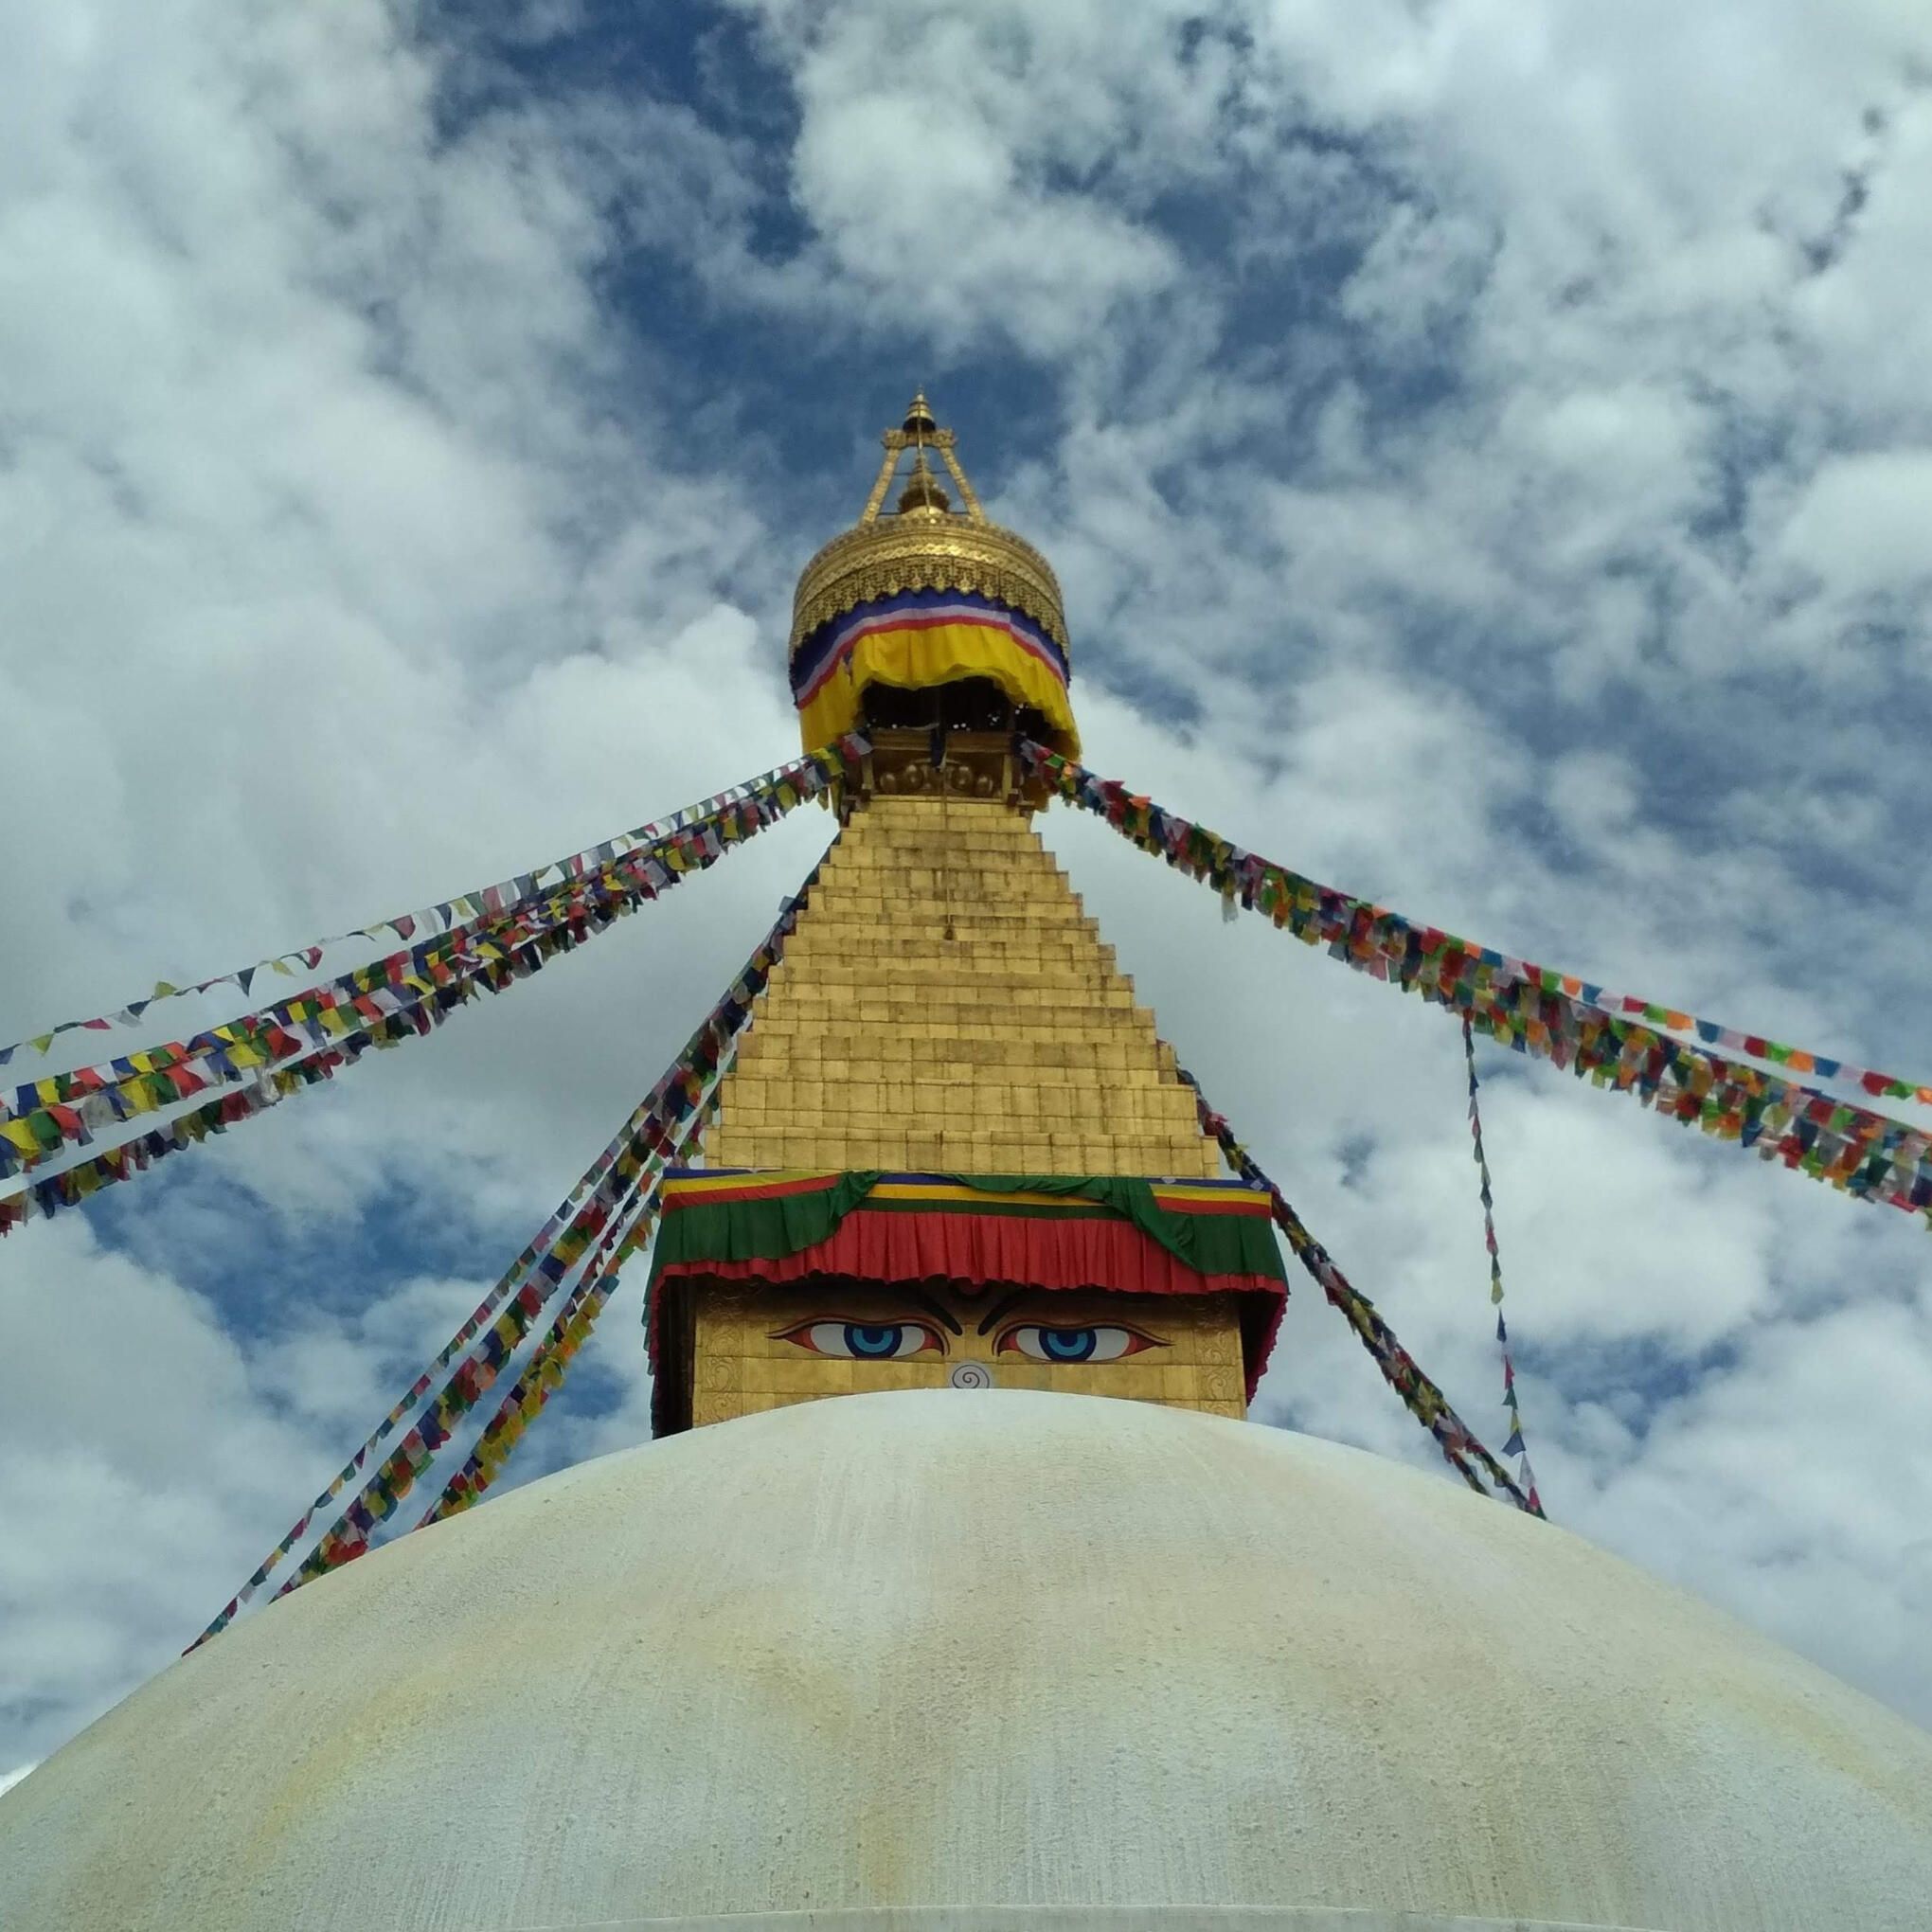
923 543
922 493
919 420
919 432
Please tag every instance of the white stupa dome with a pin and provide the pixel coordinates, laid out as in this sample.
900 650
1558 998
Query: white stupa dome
943 1650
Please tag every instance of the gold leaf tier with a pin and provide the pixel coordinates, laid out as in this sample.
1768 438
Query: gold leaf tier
926 550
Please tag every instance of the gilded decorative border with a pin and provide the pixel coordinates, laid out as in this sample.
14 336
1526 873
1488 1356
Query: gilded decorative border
884 560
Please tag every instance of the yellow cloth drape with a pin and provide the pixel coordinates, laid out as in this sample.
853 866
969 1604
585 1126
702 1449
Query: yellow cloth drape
917 657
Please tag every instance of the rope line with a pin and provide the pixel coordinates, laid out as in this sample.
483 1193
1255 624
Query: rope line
381 1004
478 901
1458 1443
1526 1476
1535 1009
545 1371
550 1360
599 1202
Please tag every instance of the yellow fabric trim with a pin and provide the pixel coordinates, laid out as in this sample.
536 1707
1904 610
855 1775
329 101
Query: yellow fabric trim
934 1191
755 1177
1220 1196
931 1191
941 653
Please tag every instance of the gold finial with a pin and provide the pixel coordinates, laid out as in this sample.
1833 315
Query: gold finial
923 492
919 423
919 430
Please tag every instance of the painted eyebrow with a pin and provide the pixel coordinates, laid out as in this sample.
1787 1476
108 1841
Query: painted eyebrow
924 1301
1002 1308
933 1308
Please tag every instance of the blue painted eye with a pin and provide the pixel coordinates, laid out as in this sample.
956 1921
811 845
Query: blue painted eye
1100 1344
866 1341
1068 1344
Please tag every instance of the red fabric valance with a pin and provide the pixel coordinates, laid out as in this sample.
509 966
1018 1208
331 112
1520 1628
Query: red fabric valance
985 1250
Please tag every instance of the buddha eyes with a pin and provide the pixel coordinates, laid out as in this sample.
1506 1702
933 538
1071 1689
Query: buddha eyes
1039 1343
864 1341
897 1341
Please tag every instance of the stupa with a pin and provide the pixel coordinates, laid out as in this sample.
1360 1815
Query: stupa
1030 1630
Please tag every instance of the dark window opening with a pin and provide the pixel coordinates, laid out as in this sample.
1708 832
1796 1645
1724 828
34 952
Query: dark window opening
970 704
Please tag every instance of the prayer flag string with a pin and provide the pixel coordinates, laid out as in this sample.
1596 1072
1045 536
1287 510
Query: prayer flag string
1419 1396
655 1135
544 1373
544 1370
36 1117
380 1004
1526 1476
1535 1009
481 1362
550 1360
479 902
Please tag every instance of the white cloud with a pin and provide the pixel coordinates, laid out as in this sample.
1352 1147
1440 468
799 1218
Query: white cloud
1860 525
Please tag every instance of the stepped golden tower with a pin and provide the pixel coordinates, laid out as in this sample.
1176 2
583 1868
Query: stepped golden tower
948 1083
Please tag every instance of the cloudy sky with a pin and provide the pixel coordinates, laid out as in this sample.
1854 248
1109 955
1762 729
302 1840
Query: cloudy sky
1488 455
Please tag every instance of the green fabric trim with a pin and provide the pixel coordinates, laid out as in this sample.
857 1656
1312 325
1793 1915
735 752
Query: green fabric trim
1205 1241
758 1231
782 1225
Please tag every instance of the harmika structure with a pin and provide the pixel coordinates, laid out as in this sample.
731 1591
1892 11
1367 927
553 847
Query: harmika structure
968 1650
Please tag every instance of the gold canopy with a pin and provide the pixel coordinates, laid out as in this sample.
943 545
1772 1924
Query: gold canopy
926 545
928 599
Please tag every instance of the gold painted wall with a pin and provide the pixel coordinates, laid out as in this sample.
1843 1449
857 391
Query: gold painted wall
947 1005
744 1363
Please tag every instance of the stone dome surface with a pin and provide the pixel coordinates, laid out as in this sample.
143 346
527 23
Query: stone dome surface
941 1649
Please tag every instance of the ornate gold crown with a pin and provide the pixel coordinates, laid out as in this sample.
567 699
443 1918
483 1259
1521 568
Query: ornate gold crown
926 544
